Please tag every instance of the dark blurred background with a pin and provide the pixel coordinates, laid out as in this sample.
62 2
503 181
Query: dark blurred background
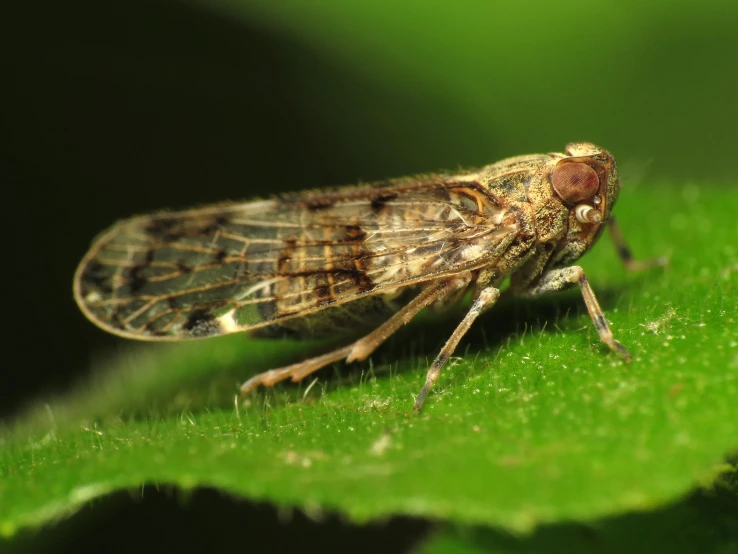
115 108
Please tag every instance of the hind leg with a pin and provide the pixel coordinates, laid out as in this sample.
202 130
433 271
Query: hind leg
362 348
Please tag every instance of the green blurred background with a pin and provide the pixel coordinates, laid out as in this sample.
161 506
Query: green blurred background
114 108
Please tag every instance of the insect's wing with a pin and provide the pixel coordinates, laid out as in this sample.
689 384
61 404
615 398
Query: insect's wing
237 267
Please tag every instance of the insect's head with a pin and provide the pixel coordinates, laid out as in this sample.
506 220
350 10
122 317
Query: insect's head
587 180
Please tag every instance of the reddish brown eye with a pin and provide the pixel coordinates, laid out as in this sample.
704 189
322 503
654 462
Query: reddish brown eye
574 181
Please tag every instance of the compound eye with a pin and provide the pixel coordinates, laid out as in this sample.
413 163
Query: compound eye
574 181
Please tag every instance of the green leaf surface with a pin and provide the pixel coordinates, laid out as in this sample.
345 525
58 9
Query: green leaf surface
535 422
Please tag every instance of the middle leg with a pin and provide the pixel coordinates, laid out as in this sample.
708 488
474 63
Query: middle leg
486 299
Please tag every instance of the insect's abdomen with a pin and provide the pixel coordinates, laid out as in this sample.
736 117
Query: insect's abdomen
344 320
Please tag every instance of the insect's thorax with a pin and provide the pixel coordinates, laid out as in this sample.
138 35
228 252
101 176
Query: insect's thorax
549 234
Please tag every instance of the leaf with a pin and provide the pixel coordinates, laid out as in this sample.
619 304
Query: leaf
706 521
536 422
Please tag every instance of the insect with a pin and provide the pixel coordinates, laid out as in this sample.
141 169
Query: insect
318 262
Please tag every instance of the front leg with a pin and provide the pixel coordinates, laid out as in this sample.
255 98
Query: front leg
624 253
557 280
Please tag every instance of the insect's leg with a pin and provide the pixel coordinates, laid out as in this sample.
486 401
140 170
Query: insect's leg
437 292
485 300
306 367
626 256
363 347
558 280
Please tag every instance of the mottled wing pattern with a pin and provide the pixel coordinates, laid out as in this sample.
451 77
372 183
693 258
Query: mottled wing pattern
236 267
